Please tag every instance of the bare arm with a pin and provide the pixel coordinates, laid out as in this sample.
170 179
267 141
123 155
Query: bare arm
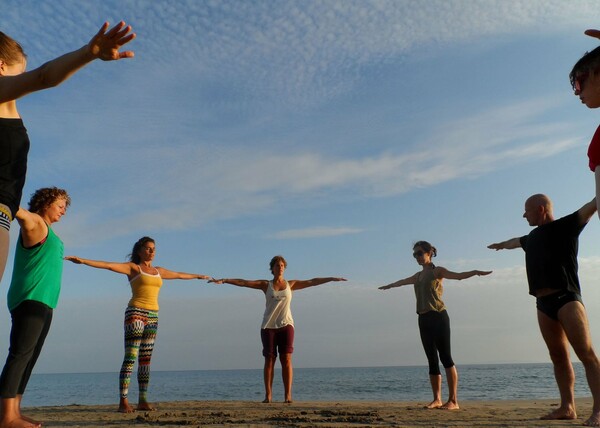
169 274
296 284
104 45
401 282
441 272
510 244
260 284
33 227
128 268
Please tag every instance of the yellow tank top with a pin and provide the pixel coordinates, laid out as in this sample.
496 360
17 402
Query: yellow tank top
145 288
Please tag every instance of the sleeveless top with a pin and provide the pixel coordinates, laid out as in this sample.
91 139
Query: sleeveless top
145 288
277 312
37 272
428 291
14 147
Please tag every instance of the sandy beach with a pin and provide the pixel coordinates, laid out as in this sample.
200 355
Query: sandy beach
311 414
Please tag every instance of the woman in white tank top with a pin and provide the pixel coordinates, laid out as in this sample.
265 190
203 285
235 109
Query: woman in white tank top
277 328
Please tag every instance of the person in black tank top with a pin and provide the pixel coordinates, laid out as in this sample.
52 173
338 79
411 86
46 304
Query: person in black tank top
434 323
15 83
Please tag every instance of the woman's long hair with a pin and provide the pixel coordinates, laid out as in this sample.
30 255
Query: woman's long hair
134 256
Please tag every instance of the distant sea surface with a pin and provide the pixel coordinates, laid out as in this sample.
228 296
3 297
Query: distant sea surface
476 382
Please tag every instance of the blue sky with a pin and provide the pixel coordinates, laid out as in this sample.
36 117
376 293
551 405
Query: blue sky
336 133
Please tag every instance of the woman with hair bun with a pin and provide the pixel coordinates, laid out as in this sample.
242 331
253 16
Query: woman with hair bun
141 315
434 323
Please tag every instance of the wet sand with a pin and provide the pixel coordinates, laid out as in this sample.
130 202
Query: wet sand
518 413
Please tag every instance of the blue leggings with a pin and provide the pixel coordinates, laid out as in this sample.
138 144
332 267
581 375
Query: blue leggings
140 332
435 336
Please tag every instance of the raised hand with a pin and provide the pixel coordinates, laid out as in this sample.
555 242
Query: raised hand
105 45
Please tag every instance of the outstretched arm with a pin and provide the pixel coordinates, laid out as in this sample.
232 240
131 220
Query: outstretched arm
104 45
296 284
260 284
401 282
441 272
586 212
128 268
510 244
169 274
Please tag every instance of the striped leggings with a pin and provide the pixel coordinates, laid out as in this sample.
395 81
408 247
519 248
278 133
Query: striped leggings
140 333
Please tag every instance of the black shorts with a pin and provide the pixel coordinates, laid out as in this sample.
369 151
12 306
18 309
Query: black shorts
14 147
551 304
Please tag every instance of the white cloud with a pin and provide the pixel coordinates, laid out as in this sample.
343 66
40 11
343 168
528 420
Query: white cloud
315 232
189 184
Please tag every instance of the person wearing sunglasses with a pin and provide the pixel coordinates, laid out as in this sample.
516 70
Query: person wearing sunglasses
434 323
551 264
585 81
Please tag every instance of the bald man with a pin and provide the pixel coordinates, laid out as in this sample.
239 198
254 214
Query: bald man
551 261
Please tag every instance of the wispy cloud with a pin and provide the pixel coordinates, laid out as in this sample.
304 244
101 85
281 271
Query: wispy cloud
315 232
190 184
297 52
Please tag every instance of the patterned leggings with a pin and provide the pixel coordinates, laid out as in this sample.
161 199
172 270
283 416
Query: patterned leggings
140 332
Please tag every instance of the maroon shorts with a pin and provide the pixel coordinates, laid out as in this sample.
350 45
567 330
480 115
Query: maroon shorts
274 339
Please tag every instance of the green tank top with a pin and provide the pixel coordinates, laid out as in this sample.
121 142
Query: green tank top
37 272
428 291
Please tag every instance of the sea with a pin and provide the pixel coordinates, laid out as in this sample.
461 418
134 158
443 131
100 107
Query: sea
476 382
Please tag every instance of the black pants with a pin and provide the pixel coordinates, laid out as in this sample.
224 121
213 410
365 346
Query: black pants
435 336
30 325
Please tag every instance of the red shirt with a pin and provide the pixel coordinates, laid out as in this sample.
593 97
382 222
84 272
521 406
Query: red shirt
594 150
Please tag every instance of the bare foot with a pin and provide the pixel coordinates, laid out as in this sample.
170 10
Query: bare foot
266 400
20 423
33 421
145 406
125 407
450 405
435 404
593 421
288 401
561 414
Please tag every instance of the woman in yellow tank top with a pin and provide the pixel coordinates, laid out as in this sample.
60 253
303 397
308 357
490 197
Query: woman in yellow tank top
141 315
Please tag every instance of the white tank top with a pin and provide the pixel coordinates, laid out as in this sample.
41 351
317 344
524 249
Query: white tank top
277 312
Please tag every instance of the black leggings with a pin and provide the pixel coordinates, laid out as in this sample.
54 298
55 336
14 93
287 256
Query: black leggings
435 336
30 325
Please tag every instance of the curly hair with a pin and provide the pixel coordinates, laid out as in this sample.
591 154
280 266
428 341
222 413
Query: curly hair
134 257
589 62
41 199
426 246
11 51
276 260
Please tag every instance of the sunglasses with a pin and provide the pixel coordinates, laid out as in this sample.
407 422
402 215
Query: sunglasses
578 81
418 254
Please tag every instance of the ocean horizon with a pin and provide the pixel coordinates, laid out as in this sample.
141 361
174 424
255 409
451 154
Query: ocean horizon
392 383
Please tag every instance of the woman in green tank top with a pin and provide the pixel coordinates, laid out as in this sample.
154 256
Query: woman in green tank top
32 296
434 324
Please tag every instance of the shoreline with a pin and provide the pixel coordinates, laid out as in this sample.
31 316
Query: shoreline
250 414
